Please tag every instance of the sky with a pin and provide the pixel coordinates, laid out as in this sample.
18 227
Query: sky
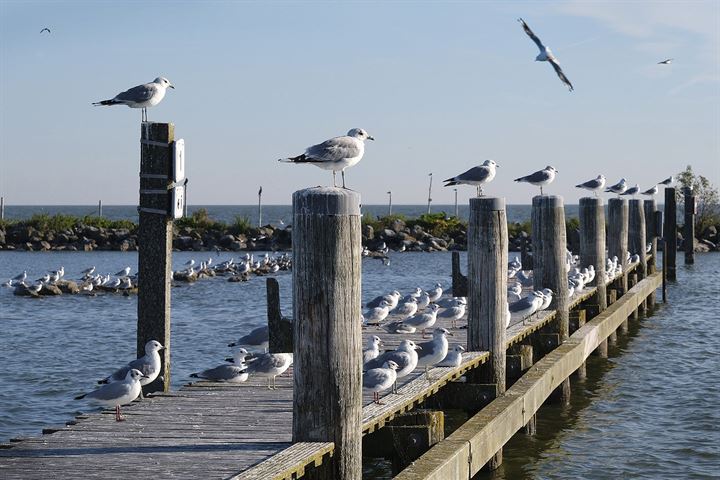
442 86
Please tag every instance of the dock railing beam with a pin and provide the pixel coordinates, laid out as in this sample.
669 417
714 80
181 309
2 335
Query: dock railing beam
670 233
550 266
327 395
155 245
487 290
592 249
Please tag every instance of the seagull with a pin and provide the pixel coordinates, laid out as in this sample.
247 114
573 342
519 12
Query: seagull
19 278
423 321
650 192
454 313
540 178
435 293
453 357
668 181
88 271
398 327
373 349
335 154
270 365
632 190
377 314
547 299
117 393
378 379
45 30
595 185
667 61
123 273
405 356
141 96
257 338
546 55
148 365
618 188
434 351
477 176
227 373
528 305
408 308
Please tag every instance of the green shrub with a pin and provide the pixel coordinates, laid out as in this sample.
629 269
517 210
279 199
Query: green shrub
241 225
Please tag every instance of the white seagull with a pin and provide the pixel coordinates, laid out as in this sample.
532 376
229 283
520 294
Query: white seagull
141 96
618 188
546 55
595 185
668 181
652 191
378 379
335 154
117 393
540 178
477 176
632 190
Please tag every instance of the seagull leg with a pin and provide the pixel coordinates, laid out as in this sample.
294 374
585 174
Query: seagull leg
334 178
427 373
541 192
118 415
342 173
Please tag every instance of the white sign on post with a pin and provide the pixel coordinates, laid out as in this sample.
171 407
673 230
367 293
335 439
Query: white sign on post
178 202
178 160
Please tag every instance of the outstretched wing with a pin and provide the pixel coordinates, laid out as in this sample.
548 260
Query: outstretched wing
560 73
532 35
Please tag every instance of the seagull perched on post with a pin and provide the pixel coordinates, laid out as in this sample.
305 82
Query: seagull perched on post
540 178
595 185
632 190
668 181
141 96
618 188
546 55
335 154
652 191
477 176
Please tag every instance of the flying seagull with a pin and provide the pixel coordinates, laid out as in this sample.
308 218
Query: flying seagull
667 61
540 178
595 185
546 55
141 96
475 176
335 154
45 30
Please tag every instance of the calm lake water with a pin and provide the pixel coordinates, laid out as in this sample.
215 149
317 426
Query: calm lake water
648 412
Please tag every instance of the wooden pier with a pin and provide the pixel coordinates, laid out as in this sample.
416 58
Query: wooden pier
246 431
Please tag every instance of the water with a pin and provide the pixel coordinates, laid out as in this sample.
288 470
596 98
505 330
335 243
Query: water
648 412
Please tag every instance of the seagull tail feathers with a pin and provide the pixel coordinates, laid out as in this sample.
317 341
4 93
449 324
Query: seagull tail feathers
521 179
299 159
450 182
194 375
80 397
106 102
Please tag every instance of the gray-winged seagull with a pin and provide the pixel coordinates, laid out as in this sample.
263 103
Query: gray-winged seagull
141 96
477 176
595 185
546 55
540 178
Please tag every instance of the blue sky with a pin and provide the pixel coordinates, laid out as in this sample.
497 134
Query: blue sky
441 85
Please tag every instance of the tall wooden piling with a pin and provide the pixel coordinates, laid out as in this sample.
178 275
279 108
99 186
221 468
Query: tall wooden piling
670 233
550 265
689 228
617 237
487 289
327 396
649 208
155 245
637 244
592 249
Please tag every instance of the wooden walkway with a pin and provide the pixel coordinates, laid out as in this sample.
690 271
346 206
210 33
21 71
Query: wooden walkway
211 430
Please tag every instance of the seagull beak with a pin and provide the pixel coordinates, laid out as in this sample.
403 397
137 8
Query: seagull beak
230 359
418 347
370 137
172 86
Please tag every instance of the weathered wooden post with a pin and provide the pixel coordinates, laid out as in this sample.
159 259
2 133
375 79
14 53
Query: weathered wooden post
2 208
459 281
670 231
617 237
637 245
99 208
327 395
651 237
592 250
155 244
550 267
487 290
280 330
689 230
